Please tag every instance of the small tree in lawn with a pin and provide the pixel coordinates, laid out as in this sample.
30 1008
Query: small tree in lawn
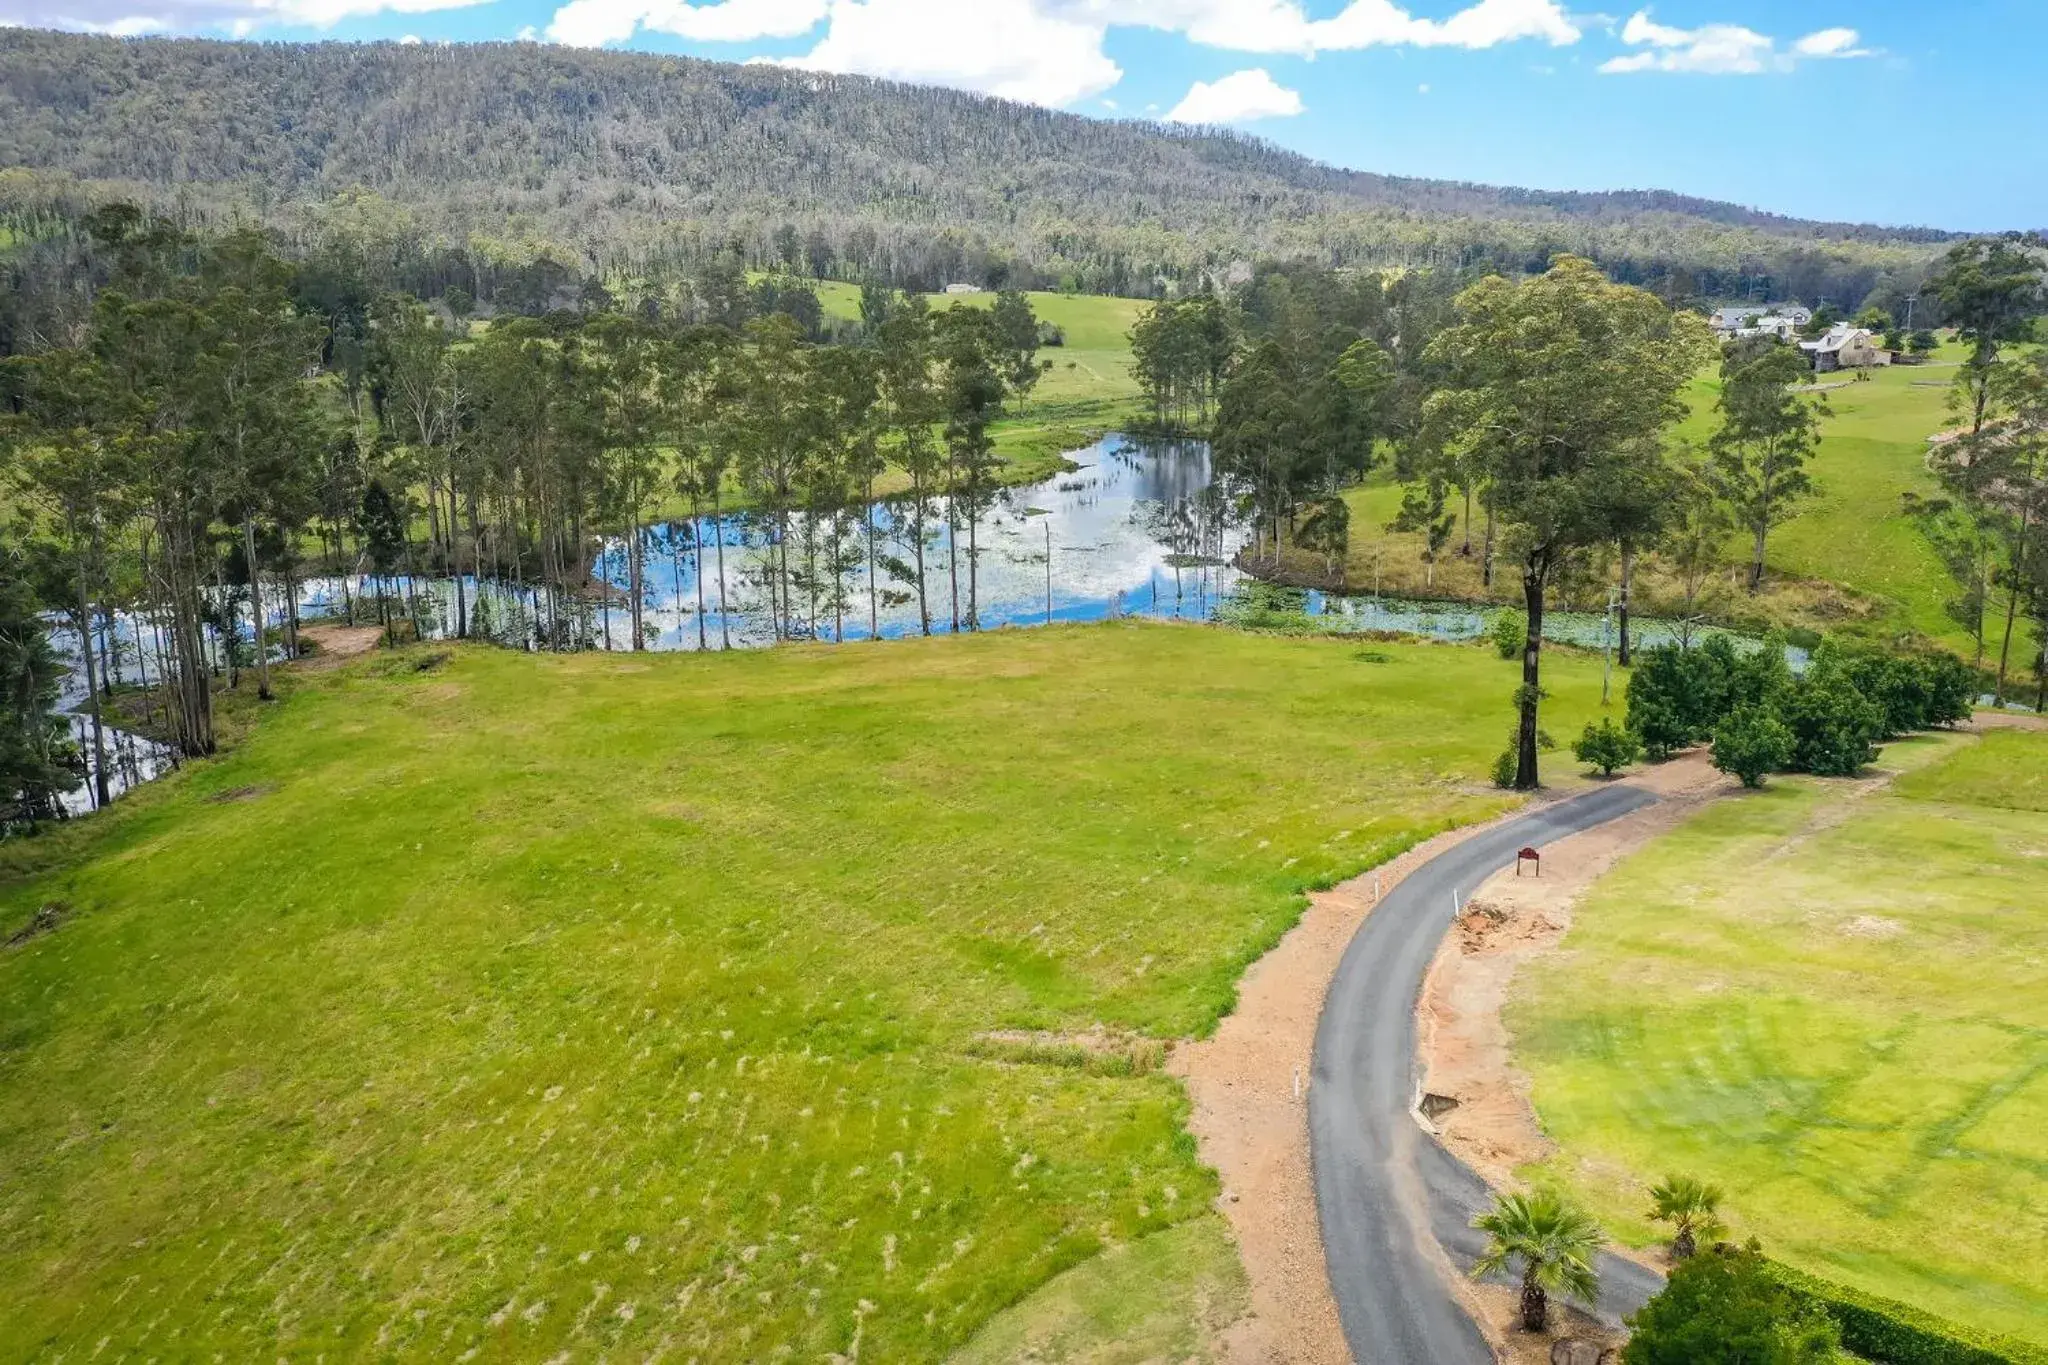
1607 747
1551 1243
1751 743
1551 387
1692 1207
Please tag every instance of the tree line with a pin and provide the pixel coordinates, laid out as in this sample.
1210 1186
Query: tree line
621 166
1549 404
208 437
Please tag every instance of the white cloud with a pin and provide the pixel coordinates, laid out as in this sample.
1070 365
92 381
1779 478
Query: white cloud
592 23
1044 51
1831 42
1284 26
409 40
1722 49
239 18
1016 49
1239 97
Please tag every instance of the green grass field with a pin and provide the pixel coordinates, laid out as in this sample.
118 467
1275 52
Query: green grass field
1851 557
1831 1003
589 1003
1093 368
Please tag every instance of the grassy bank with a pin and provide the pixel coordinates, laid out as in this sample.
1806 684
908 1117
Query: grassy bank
1829 1002
1850 559
536 1004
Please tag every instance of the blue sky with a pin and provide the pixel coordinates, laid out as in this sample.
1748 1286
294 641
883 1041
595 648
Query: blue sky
1851 111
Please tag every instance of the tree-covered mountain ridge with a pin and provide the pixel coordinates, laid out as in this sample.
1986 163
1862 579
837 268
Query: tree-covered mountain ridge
629 156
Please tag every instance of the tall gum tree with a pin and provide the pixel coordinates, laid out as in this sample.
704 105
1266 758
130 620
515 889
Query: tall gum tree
1552 385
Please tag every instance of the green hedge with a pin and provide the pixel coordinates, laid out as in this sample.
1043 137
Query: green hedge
1898 1334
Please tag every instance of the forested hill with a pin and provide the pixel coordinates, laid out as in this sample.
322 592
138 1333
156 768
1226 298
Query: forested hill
627 157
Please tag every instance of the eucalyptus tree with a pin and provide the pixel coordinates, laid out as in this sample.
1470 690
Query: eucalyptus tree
972 390
776 433
72 467
629 358
409 353
144 347
1258 440
1990 289
1695 535
693 401
2001 473
911 409
34 753
1551 384
1768 429
850 383
249 373
1016 328
1638 499
526 419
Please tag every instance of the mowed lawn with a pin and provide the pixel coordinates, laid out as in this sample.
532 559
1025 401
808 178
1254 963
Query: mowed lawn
597 1004
1835 1005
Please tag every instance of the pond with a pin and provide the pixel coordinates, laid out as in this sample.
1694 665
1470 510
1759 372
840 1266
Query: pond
1135 529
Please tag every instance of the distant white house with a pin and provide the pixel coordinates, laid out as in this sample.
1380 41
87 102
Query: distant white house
963 289
1845 346
1777 325
1734 320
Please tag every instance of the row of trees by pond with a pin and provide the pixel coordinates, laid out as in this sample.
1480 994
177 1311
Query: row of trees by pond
206 438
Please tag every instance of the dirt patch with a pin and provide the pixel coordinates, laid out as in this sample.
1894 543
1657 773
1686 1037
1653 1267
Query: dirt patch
234 794
1249 1086
338 644
44 921
1575 1336
2006 720
1463 1044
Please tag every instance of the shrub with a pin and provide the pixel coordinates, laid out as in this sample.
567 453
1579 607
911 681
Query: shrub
1751 743
1509 631
1835 728
1608 747
1674 696
1728 1308
1504 768
1881 1329
1952 687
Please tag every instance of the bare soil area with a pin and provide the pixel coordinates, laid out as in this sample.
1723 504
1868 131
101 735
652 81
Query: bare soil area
339 644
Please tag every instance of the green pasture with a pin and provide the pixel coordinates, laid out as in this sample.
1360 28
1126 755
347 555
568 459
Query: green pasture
522 1005
1829 1001
1850 559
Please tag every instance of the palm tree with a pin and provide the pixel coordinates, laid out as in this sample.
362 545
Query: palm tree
1691 1207
1554 1242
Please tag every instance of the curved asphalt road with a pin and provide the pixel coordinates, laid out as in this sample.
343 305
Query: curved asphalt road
1395 1206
